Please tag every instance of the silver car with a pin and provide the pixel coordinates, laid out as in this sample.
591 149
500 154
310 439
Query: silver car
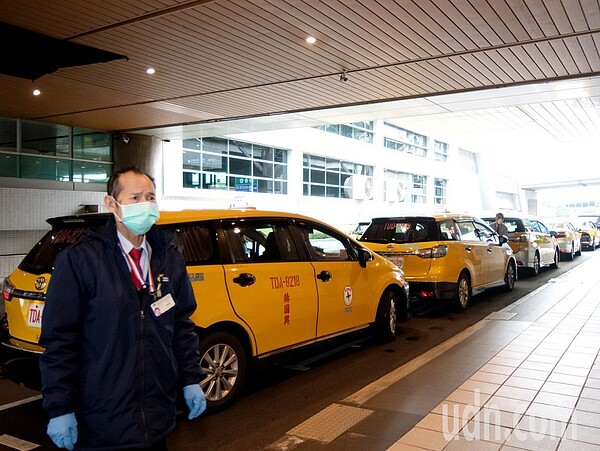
567 237
531 242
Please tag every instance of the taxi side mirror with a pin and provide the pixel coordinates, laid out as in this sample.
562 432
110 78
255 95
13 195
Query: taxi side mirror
363 257
502 239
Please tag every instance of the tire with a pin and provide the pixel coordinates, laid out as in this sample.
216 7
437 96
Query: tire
556 259
536 265
223 363
571 255
386 320
578 253
509 277
463 293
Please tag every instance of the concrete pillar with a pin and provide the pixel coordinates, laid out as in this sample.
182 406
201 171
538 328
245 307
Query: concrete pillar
487 188
532 202
142 151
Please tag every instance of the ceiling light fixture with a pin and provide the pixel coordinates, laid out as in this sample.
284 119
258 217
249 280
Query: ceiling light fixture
150 71
311 39
36 92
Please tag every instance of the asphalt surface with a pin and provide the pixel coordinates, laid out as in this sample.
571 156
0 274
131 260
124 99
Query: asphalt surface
283 393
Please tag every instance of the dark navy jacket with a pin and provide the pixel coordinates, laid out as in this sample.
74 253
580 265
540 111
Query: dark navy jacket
108 358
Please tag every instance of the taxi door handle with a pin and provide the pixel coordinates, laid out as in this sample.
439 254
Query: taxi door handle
325 276
244 279
468 248
489 250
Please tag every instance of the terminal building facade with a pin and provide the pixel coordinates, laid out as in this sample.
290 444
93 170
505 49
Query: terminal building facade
340 173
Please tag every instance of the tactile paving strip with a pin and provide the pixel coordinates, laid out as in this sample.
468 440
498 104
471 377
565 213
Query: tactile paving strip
502 316
330 423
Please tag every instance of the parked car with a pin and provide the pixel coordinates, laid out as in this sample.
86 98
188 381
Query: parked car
359 230
265 282
568 238
589 233
446 256
595 218
531 242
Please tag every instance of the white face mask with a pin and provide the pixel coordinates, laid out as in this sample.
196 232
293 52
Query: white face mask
140 217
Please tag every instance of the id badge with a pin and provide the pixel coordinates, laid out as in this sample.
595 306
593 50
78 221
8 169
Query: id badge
163 305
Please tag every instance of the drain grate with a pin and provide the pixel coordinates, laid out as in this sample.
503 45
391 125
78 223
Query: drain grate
330 423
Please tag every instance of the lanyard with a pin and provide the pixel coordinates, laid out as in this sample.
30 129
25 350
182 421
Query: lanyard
138 275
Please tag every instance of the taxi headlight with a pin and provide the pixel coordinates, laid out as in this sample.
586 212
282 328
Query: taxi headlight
433 252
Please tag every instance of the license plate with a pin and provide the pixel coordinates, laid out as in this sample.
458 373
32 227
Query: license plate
398 261
35 315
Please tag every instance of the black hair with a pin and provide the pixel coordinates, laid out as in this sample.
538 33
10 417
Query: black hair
113 188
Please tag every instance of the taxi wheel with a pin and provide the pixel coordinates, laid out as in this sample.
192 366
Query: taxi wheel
556 259
535 270
509 277
387 316
463 293
578 253
223 368
571 255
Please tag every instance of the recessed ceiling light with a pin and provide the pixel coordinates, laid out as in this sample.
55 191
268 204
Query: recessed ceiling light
36 92
150 70
311 39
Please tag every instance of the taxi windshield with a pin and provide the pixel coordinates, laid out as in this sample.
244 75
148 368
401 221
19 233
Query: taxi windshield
402 230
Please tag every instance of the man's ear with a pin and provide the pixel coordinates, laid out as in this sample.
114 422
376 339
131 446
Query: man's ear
110 203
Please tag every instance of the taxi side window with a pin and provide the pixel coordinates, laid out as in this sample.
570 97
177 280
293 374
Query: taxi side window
512 226
543 228
194 242
260 242
486 233
535 227
448 230
323 244
467 231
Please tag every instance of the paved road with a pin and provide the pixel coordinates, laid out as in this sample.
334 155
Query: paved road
283 394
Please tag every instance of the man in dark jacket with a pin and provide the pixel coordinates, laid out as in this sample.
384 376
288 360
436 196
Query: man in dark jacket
499 226
113 365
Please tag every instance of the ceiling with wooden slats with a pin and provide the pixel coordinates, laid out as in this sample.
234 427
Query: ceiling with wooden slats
226 60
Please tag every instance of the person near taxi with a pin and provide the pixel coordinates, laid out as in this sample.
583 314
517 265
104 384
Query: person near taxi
498 225
112 366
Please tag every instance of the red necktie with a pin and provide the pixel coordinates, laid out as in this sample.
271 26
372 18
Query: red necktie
136 255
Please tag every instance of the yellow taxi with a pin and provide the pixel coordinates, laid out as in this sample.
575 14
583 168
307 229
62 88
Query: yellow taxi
445 256
265 282
588 230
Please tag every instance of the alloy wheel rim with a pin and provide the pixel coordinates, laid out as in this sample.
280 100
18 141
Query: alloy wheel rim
463 292
219 368
393 316
510 276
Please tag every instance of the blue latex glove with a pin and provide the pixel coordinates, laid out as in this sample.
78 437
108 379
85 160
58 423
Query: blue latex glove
195 400
63 430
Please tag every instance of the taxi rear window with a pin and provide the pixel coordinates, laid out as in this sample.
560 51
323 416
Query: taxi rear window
40 258
402 230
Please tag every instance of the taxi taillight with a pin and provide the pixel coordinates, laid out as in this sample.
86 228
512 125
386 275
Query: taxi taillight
7 289
433 252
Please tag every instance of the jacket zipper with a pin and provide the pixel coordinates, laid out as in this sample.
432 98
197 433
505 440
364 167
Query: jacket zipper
142 316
